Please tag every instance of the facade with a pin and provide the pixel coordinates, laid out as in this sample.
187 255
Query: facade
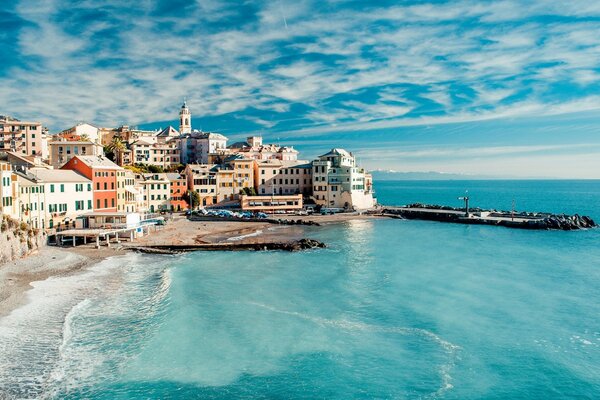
203 180
81 131
178 190
271 204
22 137
196 147
103 174
49 198
163 155
9 191
283 177
254 148
338 182
157 191
62 150
126 192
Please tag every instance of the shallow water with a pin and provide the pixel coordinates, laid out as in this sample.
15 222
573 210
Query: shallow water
392 309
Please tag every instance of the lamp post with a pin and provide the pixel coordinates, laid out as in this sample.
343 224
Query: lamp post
466 200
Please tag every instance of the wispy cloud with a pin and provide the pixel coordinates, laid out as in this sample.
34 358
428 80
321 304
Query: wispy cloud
303 66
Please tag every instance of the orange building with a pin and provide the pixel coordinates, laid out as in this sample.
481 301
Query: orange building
103 174
178 189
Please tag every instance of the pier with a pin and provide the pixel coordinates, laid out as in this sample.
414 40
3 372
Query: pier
521 220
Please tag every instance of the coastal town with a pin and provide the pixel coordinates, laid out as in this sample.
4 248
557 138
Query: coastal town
89 177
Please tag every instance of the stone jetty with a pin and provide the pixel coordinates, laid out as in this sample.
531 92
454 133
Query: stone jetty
478 216
294 245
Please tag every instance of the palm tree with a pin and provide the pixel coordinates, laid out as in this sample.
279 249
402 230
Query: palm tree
117 146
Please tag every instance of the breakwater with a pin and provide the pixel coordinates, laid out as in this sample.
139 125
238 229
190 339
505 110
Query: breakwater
477 216
293 245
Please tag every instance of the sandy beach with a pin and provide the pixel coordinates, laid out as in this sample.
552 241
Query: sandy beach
16 276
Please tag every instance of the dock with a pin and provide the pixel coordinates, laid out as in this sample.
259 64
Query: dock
521 220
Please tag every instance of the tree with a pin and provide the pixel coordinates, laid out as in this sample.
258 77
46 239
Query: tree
192 198
116 148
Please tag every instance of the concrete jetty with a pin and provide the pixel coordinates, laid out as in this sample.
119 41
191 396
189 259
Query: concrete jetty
294 245
477 216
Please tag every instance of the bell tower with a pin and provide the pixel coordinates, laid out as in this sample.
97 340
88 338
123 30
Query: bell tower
185 119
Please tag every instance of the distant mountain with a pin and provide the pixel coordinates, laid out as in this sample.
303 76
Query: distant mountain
390 175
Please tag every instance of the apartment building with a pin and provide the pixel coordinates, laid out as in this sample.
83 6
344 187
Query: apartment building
23 137
103 174
196 147
163 155
49 198
203 180
127 193
62 150
157 191
338 182
178 191
254 148
283 177
9 191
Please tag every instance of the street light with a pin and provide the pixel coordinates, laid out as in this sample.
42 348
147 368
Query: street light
466 200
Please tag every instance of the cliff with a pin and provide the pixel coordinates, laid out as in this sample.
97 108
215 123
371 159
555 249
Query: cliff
18 239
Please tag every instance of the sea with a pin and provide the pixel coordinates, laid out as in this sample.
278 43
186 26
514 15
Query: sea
391 309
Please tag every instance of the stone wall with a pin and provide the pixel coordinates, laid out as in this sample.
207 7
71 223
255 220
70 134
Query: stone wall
18 239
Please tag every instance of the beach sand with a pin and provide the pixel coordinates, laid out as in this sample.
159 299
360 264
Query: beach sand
16 276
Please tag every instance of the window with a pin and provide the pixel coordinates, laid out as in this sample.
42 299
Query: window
89 204
62 187
98 203
105 185
105 203
51 188
89 188
112 202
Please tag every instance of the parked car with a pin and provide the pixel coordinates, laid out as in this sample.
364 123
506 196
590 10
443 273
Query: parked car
330 210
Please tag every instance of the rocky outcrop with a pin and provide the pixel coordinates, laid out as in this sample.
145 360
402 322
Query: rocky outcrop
18 239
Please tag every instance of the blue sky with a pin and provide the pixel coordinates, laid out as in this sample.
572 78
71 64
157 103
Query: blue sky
505 88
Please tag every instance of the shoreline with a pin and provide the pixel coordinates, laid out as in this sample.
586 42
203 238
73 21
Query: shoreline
17 276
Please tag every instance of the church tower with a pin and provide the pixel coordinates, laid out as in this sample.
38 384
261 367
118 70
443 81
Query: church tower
185 119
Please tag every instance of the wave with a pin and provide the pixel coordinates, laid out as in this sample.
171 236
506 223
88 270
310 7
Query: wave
451 350
242 237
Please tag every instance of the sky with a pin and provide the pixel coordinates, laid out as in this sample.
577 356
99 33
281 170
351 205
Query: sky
499 88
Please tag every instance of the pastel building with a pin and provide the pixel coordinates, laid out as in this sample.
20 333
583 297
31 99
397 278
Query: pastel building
254 148
49 198
160 154
196 147
82 131
9 191
127 193
23 137
103 174
203 180
157 191
338 182
62 150
178 191
277 177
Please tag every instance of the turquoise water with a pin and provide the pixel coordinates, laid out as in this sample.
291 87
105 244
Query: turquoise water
392 309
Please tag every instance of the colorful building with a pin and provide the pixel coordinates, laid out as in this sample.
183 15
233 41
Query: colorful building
283 177
103 174
178 190
23 137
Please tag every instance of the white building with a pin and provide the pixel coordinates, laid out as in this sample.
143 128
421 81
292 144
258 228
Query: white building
196 147
84 131
338 182
50 197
